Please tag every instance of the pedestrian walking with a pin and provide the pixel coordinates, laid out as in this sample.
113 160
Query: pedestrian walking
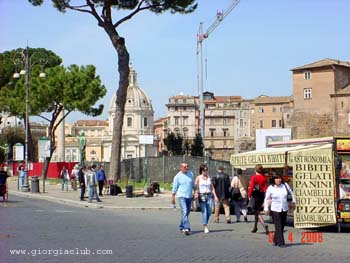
239 197
101 178
21 176
221 183
74 177
205 193
91 181
276 200
257 190
81 178
183 185
64 175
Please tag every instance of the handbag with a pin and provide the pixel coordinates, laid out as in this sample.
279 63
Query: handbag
236 194
256 189
289 194
202 198
251 206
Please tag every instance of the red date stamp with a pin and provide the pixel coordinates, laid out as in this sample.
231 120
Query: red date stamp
305 237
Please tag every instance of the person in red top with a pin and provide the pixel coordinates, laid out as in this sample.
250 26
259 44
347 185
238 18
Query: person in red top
257 189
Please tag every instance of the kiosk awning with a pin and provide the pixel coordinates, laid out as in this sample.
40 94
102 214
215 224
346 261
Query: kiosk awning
268 157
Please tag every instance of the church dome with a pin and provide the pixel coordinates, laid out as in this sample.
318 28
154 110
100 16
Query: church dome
136 97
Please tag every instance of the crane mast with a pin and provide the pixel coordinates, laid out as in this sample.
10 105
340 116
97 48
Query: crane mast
220 16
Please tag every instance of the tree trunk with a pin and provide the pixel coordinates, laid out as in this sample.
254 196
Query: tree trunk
45 167
123 68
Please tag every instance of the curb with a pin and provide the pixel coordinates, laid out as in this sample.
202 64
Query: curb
83 204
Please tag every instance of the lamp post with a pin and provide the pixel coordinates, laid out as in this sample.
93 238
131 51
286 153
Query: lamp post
28 62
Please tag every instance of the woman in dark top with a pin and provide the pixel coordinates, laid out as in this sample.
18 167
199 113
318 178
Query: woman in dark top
258 180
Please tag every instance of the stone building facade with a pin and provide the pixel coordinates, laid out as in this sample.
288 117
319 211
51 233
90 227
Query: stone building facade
321 99
226 122
270 112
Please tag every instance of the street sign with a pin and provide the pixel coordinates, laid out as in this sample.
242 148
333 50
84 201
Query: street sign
18 152
43 148
146 139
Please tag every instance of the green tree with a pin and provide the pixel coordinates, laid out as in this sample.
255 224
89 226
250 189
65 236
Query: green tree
174 143
17 102
197 146
62 91
105 12
10 136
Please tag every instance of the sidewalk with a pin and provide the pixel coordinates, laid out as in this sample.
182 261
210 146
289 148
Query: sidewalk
53 193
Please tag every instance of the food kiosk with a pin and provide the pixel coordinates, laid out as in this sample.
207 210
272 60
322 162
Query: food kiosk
317 170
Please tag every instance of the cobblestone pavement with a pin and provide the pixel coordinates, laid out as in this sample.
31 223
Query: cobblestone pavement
53 193
145 230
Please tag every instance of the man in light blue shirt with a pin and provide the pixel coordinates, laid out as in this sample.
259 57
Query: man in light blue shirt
183 185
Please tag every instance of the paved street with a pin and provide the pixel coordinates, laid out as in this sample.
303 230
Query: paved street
136 235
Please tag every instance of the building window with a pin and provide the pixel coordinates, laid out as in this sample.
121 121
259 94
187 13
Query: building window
273 124
176 108
261 109
224 122
280 123
185 120
145 122
307 94
212 132
241 123
307 75
273 109
129 122
281 109
176 120
185 132
225 133
261 124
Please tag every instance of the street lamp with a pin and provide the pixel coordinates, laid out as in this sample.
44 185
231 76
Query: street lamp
23 59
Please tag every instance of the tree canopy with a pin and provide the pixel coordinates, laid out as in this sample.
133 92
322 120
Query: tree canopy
105 12
174 143
62 91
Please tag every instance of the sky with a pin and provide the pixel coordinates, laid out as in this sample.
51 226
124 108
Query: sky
249 54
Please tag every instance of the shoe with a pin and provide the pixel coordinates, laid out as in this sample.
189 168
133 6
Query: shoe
266 229
238 221
254 230
186 232
274 244
99 201
246 219
206 230
228 221
82 199
99 194
282 246
216 220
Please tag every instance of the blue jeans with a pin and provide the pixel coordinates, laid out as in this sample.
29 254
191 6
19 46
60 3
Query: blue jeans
92 192
185 206
64 184
206 209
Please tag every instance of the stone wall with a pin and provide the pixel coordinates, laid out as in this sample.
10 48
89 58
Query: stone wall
311 125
